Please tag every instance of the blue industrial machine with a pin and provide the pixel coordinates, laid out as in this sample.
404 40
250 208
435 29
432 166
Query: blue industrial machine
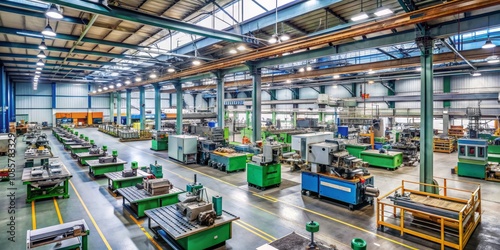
337 175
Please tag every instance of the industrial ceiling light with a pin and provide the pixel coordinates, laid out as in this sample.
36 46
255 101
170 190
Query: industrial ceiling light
418 69
370 71
273 39
153 74
488 44
115 74
233 51
93 92
288 81
40 63
336 76
309 67
99 90
361 16
171 70
335 86
42 45
127 82
371 82
48 31
41 54
475 73
383 11
118 85
196 62
138 79
54 12
301 69
38 68
284 37
38 72
111 86
241 47
105 88
492 59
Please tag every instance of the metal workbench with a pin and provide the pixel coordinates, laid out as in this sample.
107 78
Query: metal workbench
116 180
139 200
180 233
84 157
67 145
78 149
64 235
96 168
30 159
47 185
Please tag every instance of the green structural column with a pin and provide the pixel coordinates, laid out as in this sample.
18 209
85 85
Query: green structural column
256 103
321 115
129 107
170 100
142 106
118 108
157 106
178 92
295 96
220 99
111 107
391 86
426 113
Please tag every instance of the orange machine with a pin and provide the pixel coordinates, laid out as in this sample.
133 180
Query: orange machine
86 118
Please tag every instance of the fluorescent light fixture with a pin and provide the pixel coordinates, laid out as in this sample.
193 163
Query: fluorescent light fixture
153 75
99 90
38 68
336 76
371 71
359 17
284 37
38 72
93 92
335 86
492 59
301 69
288 81
418 69
241 47
138 79
475 73
54 12
170 70
105 88
127 82
40 63
371 82
488 44
118 85
42 45
309 68
273 39
196 62
111 86
41 54
115 74
383 11
233 51
48 31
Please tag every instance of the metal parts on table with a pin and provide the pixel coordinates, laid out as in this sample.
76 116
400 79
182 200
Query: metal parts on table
157 186
62 234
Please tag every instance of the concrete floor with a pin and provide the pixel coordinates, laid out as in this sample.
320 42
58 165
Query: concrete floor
265 215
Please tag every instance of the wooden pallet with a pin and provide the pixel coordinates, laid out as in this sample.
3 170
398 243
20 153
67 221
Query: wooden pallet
444 145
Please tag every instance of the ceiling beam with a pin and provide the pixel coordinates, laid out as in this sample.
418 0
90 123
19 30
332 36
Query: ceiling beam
50 58
387 53
52 65
340 18
295 27
419 16
142 18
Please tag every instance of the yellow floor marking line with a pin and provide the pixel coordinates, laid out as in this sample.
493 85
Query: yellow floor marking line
277 200
251 231
91 217
256 229
58 211
33 216
146 233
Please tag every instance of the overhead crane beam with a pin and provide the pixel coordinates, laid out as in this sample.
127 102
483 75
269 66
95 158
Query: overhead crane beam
418 16
142 18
